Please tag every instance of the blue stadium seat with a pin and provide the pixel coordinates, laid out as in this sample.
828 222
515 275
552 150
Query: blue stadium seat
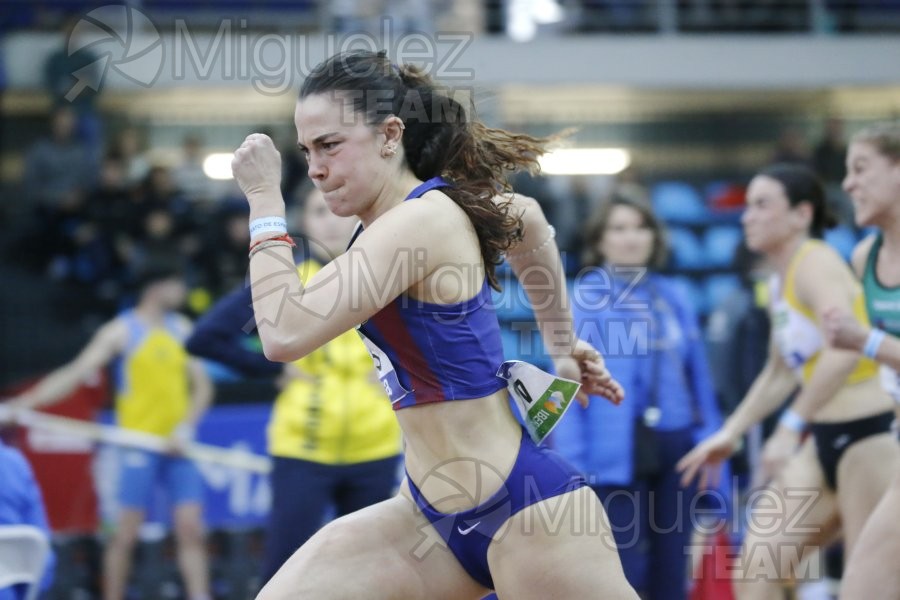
678 202
720 243
686 250
842 239
717 288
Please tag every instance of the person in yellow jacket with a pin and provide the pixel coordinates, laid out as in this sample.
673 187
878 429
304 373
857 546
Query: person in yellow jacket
159 390
333 434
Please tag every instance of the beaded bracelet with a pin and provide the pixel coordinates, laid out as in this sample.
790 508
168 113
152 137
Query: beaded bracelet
267 244
549 239
281 238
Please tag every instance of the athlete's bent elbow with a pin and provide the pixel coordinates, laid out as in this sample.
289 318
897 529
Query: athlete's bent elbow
277 351
281 349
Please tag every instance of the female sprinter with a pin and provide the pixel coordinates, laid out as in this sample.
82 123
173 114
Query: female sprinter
385 145
841 471
873 183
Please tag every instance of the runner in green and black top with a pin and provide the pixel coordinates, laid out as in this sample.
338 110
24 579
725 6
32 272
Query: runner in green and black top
873 183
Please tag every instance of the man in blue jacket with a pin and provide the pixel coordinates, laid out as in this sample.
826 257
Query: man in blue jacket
21 504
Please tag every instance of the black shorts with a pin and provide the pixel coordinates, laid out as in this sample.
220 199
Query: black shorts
833 439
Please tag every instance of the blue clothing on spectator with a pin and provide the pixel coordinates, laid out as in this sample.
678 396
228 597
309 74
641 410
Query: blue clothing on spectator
221 335
617 317
647 331
21 504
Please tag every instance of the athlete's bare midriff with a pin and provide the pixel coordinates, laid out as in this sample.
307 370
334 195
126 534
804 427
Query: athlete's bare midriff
458 453
855 401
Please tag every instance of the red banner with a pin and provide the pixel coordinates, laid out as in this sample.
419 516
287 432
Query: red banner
62 464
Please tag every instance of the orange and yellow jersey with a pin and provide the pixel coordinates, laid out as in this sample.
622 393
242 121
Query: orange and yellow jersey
796 330
152 375
337 413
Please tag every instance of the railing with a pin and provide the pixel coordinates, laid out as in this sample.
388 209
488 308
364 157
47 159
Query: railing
522 18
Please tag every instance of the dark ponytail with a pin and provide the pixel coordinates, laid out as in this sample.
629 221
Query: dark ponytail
800 185
439 139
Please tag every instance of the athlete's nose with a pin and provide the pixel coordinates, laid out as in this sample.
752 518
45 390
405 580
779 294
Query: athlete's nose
316 169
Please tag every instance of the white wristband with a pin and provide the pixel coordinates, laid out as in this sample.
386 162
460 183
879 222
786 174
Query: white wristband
873 342
792 421
268 225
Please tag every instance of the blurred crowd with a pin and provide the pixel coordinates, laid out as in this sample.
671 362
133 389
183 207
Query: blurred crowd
95 212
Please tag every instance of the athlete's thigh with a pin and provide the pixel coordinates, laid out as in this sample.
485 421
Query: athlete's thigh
788 521
560 547
387 551
864 474
873 567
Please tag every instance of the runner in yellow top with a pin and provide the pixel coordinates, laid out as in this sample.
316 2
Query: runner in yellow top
333 435
160 390
837 475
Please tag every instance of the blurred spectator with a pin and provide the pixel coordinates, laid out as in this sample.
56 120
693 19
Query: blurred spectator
21 504
737 340
223 256
571 213
75 79
737 332
828 156
647 331
84 244
161 223
58 171
161 392
828 162
791 147
352 16
617 15
128 145
189 176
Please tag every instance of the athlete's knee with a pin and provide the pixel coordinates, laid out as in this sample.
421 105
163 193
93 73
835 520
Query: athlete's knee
123 539
189 531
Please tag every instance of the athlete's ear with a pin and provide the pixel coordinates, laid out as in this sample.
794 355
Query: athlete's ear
803 214
392 128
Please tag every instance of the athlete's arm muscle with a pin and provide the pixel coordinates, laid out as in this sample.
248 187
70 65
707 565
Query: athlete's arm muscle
103 347
537 265
824 283
396 251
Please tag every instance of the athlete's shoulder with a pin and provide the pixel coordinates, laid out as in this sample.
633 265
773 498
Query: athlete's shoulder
818 257
114 334
861 252
426 219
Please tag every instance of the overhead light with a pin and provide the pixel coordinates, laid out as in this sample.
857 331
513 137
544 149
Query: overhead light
218 165
585 161
545 12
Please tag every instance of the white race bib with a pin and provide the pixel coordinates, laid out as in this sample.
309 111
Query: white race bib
542 398
386 373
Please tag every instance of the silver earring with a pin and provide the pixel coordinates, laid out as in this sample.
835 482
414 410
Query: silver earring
388 151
